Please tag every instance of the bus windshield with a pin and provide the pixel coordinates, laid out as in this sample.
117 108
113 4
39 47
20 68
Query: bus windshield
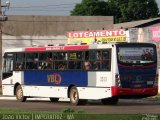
136 54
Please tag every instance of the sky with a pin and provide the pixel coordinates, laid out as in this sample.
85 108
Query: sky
43 7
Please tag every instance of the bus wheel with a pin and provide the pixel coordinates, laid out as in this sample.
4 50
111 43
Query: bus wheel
74 97
19 94
110 101
54 99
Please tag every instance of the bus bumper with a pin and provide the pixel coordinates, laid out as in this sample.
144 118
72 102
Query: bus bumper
133 92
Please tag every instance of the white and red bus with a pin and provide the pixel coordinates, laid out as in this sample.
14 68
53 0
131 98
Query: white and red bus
103 72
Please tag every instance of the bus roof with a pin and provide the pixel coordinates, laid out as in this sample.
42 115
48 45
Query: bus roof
60 48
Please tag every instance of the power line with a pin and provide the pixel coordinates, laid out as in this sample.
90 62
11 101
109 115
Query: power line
57 8
45 6
41 10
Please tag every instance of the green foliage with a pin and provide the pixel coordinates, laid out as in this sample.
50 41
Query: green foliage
91 8
136 10
80 112
17 114
122 10
68 110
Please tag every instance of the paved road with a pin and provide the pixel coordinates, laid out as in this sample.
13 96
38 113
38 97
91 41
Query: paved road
143 106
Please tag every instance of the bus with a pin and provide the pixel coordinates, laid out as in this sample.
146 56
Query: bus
106 72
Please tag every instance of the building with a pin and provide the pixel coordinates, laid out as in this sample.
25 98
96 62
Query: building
140 31
21 31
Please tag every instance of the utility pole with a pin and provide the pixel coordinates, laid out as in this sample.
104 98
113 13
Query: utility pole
0 47
0 38
2 19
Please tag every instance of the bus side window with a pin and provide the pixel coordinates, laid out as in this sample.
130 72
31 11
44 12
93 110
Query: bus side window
32 60
76 65
105 65
45 61
87 64
97 62
60 65
60 60
49 61
61 56
75 59
106 62
8 65
19 61
93 59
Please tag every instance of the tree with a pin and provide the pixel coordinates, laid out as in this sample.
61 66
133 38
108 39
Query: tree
91 8
122 10
136 10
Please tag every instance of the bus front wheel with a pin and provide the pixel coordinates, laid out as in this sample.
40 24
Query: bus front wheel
74 97
19 94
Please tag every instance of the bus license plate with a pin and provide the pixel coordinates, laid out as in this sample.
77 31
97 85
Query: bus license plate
137 86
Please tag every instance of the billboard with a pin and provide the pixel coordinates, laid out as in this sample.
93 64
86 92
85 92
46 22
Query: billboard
155 33
91 36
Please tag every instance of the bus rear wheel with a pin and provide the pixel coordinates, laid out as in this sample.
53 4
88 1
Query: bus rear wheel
54 99
74 97
19 94
110 101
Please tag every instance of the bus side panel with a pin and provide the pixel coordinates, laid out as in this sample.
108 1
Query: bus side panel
45 91
8 83
89 93
56 78
61 92
100 79
8 90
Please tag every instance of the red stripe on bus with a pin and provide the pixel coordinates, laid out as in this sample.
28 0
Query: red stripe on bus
76 47
118 91
55 48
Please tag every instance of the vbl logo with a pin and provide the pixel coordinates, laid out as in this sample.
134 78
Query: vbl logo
54 78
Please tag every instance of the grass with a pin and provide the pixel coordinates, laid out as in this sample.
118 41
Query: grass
66 114
158 95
